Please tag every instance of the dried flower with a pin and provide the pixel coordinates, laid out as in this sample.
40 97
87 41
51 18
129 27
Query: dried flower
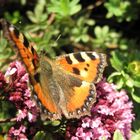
111 111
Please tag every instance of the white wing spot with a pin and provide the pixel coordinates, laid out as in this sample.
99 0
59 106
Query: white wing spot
73 59
83 73
85 56
95 54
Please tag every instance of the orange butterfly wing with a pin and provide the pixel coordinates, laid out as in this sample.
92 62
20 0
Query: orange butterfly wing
81 100
31 61
87 66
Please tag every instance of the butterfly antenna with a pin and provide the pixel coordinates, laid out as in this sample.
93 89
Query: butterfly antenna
58 37
56 40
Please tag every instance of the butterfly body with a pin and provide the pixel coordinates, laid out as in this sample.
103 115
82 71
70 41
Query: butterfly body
63 86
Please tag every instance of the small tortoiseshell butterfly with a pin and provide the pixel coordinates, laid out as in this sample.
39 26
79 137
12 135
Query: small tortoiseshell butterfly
64 85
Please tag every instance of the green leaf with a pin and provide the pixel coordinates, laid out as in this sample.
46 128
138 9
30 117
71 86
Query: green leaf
114 74
118 78
85 38
105 30
64 8
120 83
105 37
116 61
23 2
128 80
135 96
13 17
38 15
136 83
135 136
56 123
120 9
90 22
104 138
5 52
39 8
75 7
31 16
118 135
98 32
43 136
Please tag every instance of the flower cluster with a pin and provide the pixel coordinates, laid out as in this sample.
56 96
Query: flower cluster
18 133
111 111
19 94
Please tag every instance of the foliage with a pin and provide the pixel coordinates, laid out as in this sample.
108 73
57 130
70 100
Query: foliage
118 135
64 26
122 10
64 8
127 73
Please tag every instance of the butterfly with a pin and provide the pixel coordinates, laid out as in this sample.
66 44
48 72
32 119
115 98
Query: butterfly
64 85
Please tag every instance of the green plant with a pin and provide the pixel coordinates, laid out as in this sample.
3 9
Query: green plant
122 10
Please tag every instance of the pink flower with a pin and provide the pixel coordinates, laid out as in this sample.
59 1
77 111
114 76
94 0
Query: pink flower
19 94
74 138
112 111
17 133
21 114
85 122
15 96
29 104
16 77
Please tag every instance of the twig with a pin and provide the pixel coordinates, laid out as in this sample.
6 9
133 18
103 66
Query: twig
7 120
51 19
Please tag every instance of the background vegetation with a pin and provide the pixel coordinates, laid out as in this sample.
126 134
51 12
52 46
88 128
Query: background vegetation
64 26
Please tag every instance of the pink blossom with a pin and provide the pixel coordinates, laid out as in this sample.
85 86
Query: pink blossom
15 96
20 95
112 111
19 92
29 103
17 133
86 122
32 117
21 114
14 74
74 138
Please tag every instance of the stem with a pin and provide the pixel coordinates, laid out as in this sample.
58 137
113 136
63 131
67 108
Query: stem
8 120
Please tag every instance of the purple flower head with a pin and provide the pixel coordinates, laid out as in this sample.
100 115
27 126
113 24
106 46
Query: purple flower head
112 111
18 133
20 95
19 92
17 77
